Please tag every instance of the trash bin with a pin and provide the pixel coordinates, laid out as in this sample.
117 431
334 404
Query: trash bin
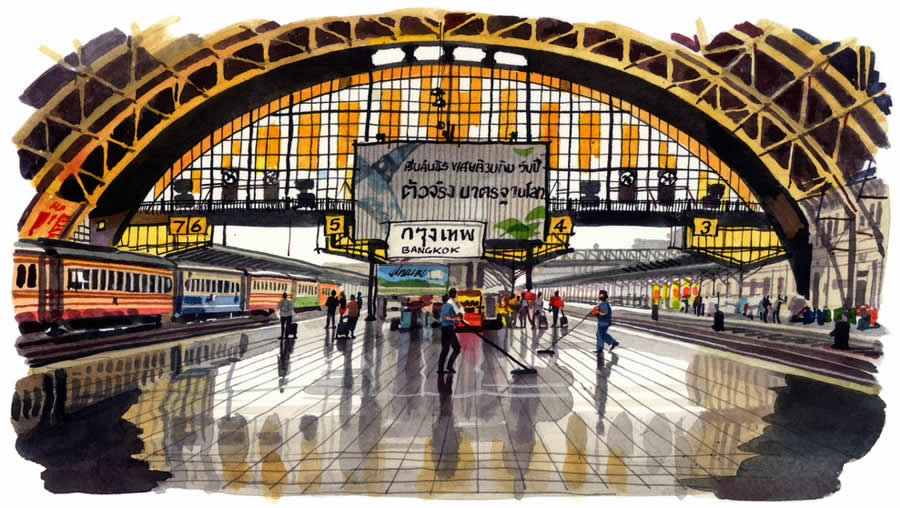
719 321
841 334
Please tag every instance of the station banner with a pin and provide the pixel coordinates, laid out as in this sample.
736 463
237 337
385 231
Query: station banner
409 279
502 185
459 239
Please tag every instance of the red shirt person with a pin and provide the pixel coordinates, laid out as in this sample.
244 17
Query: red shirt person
556 306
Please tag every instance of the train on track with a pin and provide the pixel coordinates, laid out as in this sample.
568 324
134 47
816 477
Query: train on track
62 286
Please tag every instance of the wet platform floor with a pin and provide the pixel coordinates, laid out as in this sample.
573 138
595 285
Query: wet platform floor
372 416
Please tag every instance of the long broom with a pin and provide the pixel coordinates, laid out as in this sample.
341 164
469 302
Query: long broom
552 352
526 370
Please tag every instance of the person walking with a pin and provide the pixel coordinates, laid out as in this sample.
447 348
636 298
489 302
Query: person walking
523 311
342 308
331 305
449 319
515 304
538 310
359 300
761 309
698 305
503 312
556 305
603 312
352 315
776 314
286 313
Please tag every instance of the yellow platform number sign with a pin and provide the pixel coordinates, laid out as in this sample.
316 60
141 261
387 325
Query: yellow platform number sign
334 224
705 227
560 225
181 226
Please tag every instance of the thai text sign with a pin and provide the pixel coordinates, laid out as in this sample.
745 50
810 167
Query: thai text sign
435 240
503 185
413 279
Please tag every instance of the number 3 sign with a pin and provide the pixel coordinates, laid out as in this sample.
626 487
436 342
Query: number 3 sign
705 227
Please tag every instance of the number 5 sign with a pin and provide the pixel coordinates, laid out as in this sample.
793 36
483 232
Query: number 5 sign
334 224
180 226
705 227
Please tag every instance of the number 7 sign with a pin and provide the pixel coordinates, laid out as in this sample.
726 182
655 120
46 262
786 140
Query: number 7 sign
180 226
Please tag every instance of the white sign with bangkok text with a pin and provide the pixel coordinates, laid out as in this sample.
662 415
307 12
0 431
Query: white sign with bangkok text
445 239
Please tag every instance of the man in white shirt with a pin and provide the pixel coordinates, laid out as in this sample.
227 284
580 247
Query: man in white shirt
286 313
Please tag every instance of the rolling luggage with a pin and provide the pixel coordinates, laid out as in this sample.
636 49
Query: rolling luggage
719 321
292 331
542 320
406 320
343 329
563 321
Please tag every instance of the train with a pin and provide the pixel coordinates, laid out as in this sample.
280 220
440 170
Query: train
60 286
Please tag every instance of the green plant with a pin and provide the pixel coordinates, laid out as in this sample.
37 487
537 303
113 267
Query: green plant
520 230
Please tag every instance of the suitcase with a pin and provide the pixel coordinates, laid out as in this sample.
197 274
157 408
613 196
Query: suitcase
542 320
292 331
406 320
563 321
719 321
343 329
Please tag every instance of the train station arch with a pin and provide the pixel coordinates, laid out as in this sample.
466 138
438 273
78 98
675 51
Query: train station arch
780 116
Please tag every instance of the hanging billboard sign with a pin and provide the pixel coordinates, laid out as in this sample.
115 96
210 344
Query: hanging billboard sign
501 185
414 279
435 239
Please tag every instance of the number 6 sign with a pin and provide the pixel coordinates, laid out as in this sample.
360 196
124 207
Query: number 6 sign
179 226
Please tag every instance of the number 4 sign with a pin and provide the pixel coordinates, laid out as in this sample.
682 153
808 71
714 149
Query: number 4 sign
705 227
560 225
179 226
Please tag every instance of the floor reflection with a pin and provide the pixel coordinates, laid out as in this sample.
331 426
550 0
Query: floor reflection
249 414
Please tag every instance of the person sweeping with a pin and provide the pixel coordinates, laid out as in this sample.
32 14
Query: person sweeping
603 312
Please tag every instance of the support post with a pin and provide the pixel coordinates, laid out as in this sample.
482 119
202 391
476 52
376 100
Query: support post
528 278
372 293
850 303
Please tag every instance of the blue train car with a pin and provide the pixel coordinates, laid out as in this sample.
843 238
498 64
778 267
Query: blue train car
207 291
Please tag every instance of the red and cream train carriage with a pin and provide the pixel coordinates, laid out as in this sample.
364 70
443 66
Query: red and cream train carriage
266 290
65 284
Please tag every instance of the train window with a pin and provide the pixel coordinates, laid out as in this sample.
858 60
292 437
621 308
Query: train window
168 286
120 281
128 282
95 279
78 279
144 284
153 283
32 276
20 276
221 285
102 285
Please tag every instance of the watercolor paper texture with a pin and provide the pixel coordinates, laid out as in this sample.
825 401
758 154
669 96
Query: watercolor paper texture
440 254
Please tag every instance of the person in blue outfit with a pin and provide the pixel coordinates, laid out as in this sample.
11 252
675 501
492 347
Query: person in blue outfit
449 319
603 312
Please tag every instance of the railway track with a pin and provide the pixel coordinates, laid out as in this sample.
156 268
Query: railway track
42 349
